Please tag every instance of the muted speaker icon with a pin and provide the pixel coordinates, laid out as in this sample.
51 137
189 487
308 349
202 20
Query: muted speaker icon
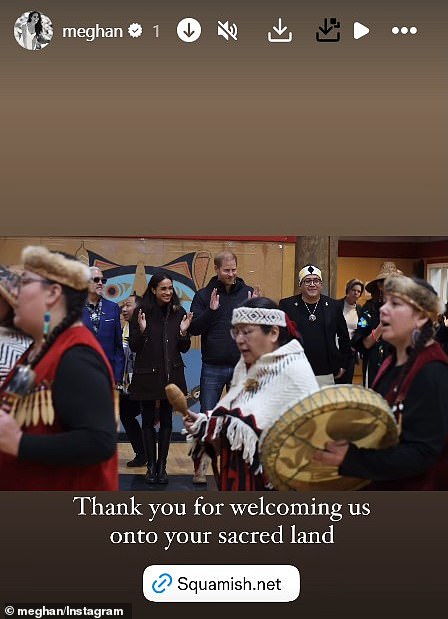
228 31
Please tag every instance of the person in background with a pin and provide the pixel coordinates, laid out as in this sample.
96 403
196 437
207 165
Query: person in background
414 381
102 317
442 330
367 339
158 335
352 312
13 342
212 309
131 409
62 434
321 325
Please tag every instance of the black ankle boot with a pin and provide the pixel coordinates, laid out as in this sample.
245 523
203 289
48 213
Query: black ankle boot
149 439
151 475
162 477
139 460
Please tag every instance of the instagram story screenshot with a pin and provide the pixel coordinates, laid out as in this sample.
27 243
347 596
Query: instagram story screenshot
223 308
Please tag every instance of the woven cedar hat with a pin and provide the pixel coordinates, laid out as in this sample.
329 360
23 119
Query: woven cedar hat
387 269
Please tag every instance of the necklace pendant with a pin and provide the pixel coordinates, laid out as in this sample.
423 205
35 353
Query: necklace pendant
312 317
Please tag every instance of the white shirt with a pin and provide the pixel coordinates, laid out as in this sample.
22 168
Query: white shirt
351 318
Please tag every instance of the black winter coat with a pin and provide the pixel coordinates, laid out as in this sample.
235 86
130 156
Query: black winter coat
373 357
158 360
334 327
213 326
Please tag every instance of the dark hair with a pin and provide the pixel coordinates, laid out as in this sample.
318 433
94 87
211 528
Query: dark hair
426 333
376 294
264 303
353 282
219 258
148 301
38 26
74 301
424 283
137 297
8 321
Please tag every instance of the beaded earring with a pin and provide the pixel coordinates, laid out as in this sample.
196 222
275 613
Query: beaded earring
47 320
414 337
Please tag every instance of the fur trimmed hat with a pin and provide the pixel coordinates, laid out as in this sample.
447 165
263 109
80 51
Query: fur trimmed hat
56 267
415 292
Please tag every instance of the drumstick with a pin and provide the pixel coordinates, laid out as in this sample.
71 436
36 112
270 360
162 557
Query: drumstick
177 399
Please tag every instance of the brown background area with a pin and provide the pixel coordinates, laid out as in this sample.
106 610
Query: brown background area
387 565
136 136
156 137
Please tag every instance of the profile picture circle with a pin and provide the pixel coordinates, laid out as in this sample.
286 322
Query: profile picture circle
33 30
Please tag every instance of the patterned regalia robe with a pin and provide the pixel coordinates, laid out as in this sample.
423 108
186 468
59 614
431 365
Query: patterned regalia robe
236 427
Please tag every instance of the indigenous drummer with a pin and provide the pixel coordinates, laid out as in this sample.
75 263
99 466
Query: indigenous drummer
62 434
414 381
272 374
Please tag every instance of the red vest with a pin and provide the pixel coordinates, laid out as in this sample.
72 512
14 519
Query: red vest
16 474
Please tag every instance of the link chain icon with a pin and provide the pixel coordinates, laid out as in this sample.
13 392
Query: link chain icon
161 584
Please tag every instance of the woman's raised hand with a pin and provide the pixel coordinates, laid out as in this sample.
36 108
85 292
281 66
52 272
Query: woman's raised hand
186 322
141 320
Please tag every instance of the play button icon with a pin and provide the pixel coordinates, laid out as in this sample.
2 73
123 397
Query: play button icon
359 30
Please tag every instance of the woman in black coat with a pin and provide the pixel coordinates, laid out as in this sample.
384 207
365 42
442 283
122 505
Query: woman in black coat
158 334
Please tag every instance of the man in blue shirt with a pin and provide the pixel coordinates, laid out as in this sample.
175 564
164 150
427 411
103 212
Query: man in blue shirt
102 317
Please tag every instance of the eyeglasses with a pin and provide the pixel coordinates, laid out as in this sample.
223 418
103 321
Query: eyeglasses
23 281
244 332
97 280
312 282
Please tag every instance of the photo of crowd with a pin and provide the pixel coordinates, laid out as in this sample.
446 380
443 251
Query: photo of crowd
85 361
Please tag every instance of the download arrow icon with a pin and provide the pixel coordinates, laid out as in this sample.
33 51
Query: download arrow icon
189 33
189 30
279 30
